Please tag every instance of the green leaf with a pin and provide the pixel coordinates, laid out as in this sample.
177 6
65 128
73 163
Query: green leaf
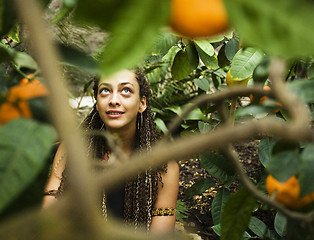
283 165
161 125
162 44
216 80
244 63
231 48
303 88
133 33
181 67
66 8
195 114
204 127
265 148
218 203
7 17
257 227
176 109
78 59
5 55
209 61
306 170
217 230
222 58
282 27
100 13
236 215
217 165
206 46
261 72
202 83
182 211
280 224
199 187
255 111
14 34
24 146
39 109
23 60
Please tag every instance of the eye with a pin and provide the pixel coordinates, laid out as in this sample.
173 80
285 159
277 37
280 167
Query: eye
104 91
126 91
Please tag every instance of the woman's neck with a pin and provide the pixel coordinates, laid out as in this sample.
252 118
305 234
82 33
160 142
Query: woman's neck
126 138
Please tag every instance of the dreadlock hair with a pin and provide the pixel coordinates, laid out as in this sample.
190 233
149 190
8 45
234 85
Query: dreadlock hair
141 191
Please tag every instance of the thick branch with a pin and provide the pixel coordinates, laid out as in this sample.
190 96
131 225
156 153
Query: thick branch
300 116
182 147
47 59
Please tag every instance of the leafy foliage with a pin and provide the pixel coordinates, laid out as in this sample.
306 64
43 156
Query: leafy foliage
178 70
279 28
236 215
22 155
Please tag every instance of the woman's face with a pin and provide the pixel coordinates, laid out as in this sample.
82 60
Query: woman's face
118 101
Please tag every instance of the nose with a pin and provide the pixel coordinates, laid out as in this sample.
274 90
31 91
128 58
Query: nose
114 100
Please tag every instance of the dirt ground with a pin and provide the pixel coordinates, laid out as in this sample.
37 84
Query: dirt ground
199 220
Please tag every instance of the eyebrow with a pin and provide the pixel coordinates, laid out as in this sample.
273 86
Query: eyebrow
122 84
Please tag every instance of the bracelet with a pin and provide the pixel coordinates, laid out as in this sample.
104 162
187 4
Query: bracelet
163 211
52 193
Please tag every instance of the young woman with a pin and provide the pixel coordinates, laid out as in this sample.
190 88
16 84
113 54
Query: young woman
123 109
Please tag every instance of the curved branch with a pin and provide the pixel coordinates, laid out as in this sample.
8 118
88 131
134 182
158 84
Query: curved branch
214 98
300 116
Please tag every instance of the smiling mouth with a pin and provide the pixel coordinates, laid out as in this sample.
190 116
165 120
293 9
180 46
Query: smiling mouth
114 114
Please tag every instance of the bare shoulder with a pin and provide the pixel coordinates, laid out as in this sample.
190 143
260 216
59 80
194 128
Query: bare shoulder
168 190
172 173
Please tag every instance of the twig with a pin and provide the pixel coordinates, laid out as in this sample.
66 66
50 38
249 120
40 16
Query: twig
213 99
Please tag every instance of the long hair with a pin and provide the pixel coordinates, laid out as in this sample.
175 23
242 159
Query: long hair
140 191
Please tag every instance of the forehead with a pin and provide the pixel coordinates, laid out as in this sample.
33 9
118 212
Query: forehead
122 77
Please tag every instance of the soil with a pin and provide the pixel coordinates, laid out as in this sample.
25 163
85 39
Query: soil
199 220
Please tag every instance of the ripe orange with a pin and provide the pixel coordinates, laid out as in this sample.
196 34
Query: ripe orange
288 192
264 98
198 18
16 104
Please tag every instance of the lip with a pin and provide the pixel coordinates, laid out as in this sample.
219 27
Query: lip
114 113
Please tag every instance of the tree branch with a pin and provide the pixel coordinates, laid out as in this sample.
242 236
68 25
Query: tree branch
47 58
213 99
166 151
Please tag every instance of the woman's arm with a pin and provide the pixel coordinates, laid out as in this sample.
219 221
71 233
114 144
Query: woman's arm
166 198
54 180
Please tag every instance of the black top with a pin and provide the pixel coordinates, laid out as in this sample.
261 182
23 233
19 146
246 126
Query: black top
115 202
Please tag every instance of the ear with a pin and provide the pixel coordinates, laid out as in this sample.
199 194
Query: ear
143 105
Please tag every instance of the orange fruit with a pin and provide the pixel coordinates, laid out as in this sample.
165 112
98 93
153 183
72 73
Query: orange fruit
198 18
16 105
264 98
232 82
288 192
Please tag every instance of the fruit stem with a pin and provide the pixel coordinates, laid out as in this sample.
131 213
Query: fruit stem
232 109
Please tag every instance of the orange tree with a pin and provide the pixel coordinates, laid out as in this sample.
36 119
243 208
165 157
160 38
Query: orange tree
191 97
